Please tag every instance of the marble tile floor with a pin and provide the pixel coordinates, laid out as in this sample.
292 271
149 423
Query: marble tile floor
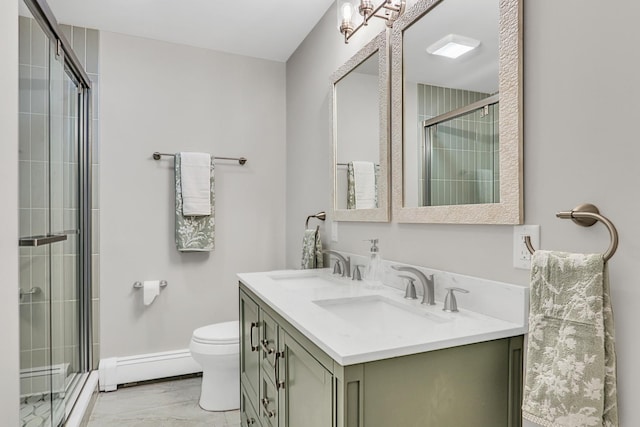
160 404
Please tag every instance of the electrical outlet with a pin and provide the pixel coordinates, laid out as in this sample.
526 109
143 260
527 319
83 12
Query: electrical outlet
521 255
334 231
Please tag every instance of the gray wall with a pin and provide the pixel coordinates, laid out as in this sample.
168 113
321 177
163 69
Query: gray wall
9 356
580 117
165 97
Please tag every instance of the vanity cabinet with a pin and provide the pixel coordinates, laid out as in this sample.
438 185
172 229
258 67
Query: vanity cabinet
282 384
299 385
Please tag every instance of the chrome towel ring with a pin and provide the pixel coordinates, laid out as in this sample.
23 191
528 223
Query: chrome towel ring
320 215
586 215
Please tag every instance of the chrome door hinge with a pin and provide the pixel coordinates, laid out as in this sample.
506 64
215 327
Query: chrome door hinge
58 48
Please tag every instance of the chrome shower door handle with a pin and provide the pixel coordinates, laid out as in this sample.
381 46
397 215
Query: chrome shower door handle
33 291
35 241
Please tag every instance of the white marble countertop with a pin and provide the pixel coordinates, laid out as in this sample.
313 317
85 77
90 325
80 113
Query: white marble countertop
318 305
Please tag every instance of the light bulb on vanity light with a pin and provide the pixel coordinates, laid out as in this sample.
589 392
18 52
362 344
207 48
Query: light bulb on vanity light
347 11
345 14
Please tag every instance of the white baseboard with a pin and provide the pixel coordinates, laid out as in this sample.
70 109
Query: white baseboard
143 367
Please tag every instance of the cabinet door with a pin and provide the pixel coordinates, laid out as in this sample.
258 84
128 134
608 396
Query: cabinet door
305 398
249 347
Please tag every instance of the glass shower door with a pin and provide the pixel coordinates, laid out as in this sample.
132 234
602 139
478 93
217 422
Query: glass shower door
49 230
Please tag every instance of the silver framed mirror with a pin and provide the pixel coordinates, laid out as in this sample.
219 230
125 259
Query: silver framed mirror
457 112
359 100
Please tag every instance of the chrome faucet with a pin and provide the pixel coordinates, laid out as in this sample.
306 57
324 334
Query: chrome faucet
346 262
427 283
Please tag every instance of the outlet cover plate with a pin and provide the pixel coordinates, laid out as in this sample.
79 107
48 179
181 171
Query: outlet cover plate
521 255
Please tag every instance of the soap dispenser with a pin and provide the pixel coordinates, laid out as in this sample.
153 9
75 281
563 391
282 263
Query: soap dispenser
373 274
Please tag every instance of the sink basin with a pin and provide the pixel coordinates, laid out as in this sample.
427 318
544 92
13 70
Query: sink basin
299 280
376 312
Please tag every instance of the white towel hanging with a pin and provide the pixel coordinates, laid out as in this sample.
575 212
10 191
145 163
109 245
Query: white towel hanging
195 177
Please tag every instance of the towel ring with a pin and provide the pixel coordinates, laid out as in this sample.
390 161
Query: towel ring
320 215
586 215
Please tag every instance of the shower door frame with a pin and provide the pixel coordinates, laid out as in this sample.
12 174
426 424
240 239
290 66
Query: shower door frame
47 21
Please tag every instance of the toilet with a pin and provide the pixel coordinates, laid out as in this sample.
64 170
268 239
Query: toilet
217 349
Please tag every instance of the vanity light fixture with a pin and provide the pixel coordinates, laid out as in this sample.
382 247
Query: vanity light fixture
453 46
389 10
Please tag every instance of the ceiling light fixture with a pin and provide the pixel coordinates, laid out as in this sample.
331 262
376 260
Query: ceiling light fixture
389 10
453 46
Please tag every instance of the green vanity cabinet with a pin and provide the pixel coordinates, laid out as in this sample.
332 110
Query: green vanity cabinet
299 385
293 388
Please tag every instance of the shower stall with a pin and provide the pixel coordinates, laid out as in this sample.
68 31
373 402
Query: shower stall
55 219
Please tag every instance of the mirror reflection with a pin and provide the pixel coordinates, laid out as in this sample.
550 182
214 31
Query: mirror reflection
359 94
450 65
357 109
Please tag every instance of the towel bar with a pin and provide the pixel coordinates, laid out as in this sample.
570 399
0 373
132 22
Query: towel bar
138 285
241 160
586 215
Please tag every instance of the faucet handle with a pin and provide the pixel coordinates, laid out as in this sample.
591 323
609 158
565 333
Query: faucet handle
357 274
410 290
450 303
337 268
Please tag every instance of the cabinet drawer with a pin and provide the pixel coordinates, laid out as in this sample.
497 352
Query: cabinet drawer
248 417
268 410
268 345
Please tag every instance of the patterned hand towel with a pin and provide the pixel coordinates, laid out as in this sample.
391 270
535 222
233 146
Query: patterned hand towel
571 362
193 233
311 250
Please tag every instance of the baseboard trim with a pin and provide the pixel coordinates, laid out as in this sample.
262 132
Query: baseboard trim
122 370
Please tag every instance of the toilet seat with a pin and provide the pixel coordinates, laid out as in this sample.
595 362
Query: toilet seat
217 339
218 334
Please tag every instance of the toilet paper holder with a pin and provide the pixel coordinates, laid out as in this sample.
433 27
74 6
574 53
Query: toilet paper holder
138 285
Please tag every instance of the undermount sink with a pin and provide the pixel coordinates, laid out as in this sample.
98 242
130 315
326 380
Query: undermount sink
376 312
303 280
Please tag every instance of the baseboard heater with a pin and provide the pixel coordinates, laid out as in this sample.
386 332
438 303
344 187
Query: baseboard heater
143 367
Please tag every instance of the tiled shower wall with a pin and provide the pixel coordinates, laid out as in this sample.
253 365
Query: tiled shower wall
40 311
464 151
33 204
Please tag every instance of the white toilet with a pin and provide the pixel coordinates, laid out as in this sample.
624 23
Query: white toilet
217 349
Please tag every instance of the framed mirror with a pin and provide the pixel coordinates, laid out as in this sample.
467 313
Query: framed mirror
360 124
457 112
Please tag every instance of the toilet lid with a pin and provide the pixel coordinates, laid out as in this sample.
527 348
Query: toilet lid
218 333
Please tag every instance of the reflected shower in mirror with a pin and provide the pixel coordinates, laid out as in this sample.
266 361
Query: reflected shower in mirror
451 84
456 112
359 93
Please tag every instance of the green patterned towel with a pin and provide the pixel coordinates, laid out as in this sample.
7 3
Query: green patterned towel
571 362
193 233
311 250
